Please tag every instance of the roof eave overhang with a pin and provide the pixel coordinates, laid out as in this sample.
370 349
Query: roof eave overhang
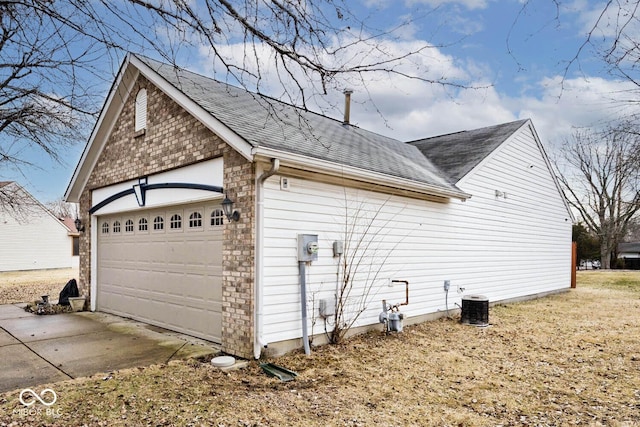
305 165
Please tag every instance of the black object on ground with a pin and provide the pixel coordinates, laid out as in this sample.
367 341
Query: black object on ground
69 290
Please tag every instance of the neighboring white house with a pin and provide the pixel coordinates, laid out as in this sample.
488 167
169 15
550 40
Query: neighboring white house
629 255
480 210
31 237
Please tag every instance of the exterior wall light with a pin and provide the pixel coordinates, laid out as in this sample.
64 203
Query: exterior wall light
227 208
79 226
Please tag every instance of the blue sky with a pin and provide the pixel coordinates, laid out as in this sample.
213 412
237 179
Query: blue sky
515 59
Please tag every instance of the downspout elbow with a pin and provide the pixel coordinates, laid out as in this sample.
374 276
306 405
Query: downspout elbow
275 166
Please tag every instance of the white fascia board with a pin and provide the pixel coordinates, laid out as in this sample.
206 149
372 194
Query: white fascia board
310 164
215 125
113 105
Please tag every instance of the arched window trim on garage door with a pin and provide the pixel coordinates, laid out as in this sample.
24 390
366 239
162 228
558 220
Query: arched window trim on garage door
143 188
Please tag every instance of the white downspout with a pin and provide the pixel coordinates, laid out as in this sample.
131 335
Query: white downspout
259 341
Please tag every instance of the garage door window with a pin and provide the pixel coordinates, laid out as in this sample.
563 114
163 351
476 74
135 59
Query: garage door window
105 228
116 226
176 222
217 217
143 224
158 223
128 226
195 220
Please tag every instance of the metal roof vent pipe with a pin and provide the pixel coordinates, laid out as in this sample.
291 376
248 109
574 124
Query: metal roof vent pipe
347 105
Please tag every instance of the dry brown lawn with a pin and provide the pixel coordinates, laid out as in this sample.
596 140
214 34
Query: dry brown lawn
27 286
568 359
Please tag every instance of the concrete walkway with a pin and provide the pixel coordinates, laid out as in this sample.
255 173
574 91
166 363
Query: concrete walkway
36 349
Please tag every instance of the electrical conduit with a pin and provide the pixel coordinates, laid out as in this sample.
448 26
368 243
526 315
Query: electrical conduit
303 296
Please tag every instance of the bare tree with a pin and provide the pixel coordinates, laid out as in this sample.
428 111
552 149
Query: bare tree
54 51
43 101
16 202
363 269
600 175
610 37
633 231
57 57
62 209
614 36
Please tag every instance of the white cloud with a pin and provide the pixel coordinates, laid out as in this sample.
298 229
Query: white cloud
557 107
606 21
406 108
420 62
469 4
563 106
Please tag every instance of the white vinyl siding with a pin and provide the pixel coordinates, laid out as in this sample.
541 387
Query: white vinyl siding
497 247
33 239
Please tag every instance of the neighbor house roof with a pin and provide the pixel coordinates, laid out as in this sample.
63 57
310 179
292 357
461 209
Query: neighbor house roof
457 153
631 247
23 203
70 224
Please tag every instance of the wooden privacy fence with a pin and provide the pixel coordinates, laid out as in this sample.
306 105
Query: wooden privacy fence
574 263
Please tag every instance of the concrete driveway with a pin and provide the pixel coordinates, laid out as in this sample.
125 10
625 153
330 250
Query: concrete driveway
36 349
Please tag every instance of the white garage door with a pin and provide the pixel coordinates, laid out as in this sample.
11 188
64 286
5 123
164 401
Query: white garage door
164 267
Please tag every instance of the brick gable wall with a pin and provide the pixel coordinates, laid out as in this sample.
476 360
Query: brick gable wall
173 139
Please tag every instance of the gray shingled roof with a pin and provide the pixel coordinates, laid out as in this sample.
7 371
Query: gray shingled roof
631 247
265 122
457 153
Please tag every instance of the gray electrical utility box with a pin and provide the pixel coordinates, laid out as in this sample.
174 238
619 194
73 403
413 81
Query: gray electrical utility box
327 307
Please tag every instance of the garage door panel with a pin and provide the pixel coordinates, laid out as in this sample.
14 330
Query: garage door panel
108 252
156 255
169 278
146 252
